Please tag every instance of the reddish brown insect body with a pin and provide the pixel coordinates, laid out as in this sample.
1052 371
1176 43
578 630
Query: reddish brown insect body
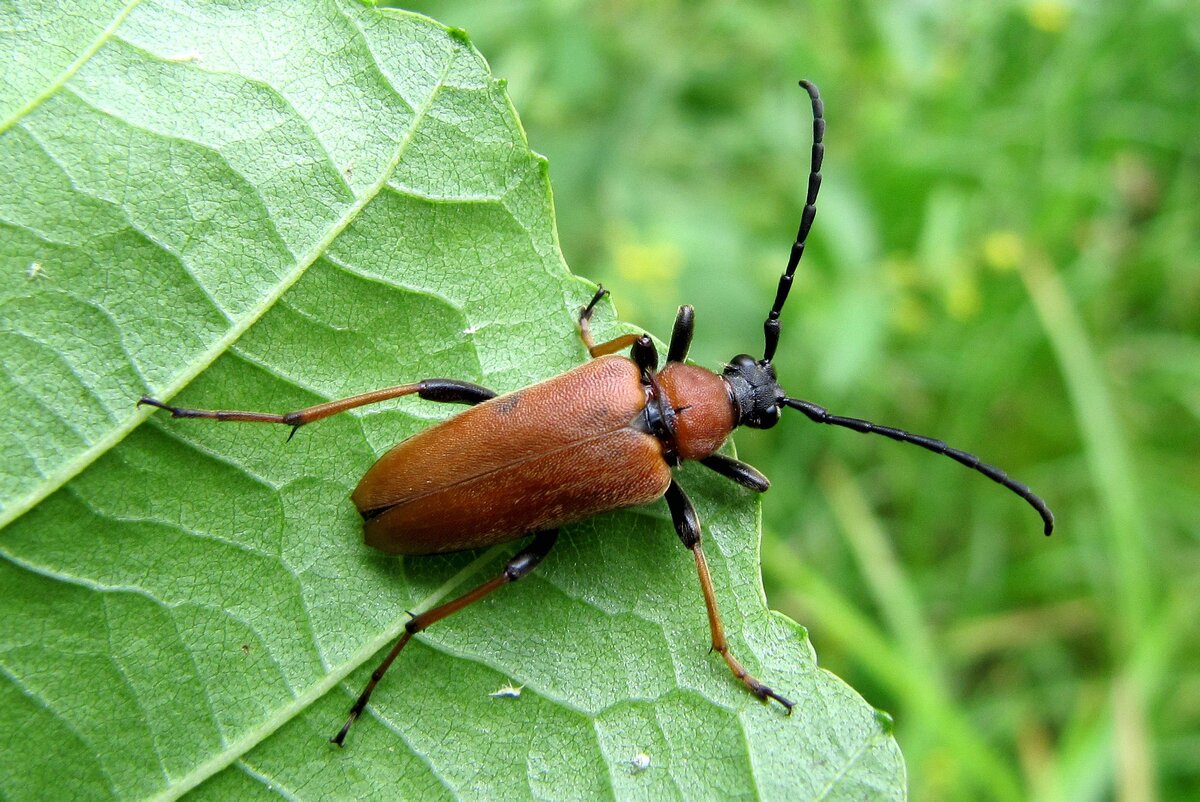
600 437
515 464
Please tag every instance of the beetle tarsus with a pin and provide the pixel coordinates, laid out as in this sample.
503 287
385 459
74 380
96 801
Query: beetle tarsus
586 312
154 402
340 738
763 692
766 694
613 345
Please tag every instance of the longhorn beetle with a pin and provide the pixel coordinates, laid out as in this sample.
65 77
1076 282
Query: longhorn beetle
600 437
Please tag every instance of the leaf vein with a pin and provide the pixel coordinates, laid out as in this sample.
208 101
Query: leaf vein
133 692
850 763
267 782
118 207
177 254
301 702
275 92
73 466
91 749
394 728
71 69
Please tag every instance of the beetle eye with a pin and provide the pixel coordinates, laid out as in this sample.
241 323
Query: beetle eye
741 362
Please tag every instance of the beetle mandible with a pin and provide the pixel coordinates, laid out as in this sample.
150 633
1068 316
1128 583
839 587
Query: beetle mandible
600 437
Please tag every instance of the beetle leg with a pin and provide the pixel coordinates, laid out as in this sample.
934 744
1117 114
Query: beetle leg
445 390
688 526
745 475
681 335
641 347
585 330
645 355
518 566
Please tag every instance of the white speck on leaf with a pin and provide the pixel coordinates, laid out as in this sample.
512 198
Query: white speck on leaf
508 692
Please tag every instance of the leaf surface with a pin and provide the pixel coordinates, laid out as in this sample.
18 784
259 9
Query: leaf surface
265 209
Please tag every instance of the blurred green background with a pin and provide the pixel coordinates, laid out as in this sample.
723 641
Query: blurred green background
1005 257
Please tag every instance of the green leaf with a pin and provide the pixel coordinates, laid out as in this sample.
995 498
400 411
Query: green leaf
267 208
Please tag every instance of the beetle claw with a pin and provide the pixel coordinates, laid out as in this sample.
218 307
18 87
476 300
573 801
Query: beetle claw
766 694
340 738
600 293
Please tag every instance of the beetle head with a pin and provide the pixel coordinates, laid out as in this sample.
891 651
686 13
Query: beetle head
755 391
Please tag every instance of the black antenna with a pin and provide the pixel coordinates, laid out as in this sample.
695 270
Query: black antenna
821 415
771 326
